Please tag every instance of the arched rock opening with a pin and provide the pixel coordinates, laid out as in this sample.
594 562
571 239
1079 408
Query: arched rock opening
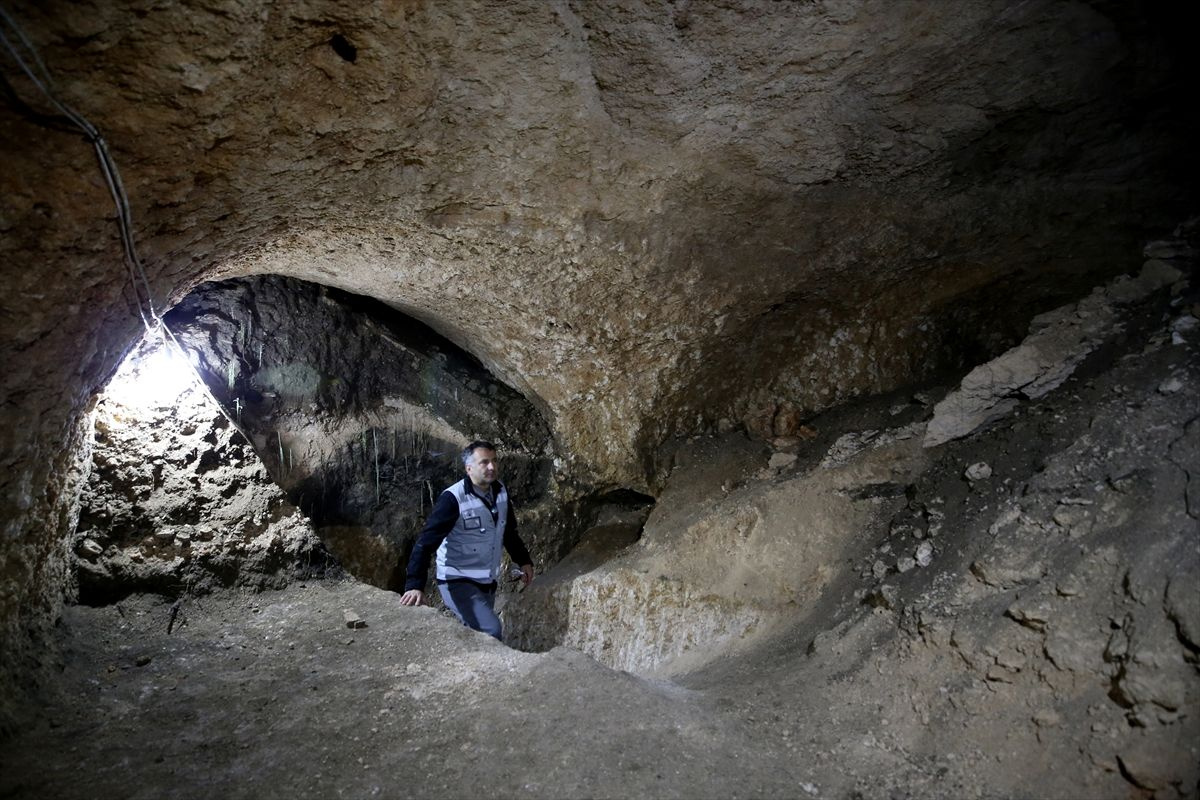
359 412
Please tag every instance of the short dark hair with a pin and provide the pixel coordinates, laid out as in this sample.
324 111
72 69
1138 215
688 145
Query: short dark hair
478 444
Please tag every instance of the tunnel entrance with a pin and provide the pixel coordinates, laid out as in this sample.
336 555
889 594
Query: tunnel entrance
339 422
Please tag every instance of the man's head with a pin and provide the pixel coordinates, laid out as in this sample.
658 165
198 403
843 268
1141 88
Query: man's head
479 457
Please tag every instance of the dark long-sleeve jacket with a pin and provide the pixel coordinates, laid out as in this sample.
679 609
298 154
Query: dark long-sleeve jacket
438 527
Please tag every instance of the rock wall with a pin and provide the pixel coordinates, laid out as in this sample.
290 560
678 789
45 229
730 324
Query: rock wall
1013 612
178 503
737 542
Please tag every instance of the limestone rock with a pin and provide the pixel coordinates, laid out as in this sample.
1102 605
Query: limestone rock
159 460
642 222
1170 386
1058 341
781 460
978 472
1005 576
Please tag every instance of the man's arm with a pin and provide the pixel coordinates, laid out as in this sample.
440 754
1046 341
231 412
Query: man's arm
436 529
516 548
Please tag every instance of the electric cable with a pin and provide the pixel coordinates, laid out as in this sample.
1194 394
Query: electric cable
27 59
35 70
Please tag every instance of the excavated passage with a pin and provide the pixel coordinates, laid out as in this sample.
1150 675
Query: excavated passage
356 412
1016 617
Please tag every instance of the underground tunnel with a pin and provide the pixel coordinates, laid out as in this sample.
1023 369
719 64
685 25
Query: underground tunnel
840 356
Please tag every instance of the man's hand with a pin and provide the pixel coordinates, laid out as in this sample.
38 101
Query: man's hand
412 597
527 576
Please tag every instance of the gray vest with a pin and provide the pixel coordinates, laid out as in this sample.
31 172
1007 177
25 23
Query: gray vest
473 547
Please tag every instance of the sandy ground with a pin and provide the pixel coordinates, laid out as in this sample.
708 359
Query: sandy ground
271 695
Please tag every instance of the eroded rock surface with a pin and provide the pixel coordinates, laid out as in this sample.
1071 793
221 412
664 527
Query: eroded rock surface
1059 341
927 618
676 216
177 502
671 216
932 630
361 413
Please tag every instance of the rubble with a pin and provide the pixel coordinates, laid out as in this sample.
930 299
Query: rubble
1058 342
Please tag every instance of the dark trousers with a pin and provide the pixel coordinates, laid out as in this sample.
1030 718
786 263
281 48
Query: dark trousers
473 604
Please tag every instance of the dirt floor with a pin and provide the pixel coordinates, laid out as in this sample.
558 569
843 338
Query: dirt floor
1031 629
272 695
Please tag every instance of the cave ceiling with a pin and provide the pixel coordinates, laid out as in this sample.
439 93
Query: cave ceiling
646 217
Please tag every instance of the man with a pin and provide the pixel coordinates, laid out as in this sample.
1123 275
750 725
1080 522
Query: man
470 522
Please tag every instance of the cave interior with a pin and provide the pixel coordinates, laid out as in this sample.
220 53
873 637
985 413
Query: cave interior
841 356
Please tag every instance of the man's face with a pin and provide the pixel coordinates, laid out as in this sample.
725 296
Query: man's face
482 469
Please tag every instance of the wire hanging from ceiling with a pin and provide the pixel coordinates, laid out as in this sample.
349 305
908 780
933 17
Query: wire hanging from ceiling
22 51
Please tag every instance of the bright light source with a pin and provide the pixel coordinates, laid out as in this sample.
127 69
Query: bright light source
154 375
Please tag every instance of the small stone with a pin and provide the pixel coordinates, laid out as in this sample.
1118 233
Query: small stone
924 554
1046 718
998 674
1185 323
1003 577
1145 766
1170 386
879 569
781 460
1067 587
904 564
1010 659
978 472
1032 615
1075 519
1168 249
787 419
142 661
353 620
91 548
164 536
883 597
